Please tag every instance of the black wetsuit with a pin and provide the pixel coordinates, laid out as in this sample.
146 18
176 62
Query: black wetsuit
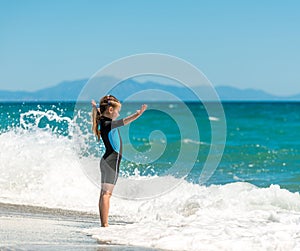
110 162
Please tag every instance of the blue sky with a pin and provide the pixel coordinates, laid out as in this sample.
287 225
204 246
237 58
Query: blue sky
245 44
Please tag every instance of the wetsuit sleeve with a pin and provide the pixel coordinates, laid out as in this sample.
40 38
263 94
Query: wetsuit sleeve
117 123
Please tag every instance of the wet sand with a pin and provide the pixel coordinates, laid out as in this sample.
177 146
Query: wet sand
38 228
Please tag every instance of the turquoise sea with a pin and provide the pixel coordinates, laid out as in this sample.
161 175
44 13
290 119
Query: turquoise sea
262 145
50 158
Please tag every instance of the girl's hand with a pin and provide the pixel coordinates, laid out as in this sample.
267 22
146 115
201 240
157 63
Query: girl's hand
94 104
141 111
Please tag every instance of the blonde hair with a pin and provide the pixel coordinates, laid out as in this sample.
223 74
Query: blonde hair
105 102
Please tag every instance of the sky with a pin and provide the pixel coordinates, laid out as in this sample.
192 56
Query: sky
244 44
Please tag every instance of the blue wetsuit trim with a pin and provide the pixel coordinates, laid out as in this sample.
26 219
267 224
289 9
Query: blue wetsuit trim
110 162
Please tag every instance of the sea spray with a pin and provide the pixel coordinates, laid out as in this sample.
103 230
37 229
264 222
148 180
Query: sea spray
192 217
40 166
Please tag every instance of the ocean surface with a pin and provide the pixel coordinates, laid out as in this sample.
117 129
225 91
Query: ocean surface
49 158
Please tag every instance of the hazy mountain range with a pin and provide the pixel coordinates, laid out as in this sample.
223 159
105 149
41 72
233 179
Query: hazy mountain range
70 90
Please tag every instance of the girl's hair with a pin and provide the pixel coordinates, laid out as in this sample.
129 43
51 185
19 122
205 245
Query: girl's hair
105 102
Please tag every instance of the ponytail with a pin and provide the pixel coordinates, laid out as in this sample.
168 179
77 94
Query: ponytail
96 122
105 102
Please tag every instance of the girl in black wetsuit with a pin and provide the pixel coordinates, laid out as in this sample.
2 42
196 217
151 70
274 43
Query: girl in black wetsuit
106 126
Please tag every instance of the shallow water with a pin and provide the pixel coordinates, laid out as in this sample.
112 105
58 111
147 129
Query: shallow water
252 200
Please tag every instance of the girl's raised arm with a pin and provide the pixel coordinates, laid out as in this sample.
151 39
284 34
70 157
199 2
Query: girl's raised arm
134 116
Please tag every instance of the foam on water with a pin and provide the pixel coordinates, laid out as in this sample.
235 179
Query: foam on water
41 167
230 217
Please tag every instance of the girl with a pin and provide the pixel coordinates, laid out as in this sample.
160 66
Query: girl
105 126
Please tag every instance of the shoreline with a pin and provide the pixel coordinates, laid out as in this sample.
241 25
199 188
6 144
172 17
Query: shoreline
24 227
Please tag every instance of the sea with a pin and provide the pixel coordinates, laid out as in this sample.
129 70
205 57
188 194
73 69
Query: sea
49 162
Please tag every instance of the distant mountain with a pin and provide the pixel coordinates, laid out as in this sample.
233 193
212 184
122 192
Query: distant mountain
64 91
235 94
70 90
295 97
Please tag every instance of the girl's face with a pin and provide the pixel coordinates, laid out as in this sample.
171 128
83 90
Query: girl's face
114 112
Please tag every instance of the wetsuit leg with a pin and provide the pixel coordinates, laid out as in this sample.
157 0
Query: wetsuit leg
109 168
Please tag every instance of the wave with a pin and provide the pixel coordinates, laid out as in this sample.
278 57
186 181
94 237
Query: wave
40 167
226 217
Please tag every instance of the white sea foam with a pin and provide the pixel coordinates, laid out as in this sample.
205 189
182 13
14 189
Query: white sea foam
41 168
190 141
213 118
230 217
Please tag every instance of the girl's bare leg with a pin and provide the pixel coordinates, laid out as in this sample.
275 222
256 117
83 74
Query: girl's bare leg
100 206
104 203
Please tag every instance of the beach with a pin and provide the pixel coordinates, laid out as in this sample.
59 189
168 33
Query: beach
37 228
175 123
